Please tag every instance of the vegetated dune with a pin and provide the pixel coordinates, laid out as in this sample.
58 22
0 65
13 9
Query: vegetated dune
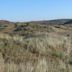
30 47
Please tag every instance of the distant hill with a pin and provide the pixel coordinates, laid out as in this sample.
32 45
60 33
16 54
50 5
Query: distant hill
5 22
6 26
57 21
22 27
68 22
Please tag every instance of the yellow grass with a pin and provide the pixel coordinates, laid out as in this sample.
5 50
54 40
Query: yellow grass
50 52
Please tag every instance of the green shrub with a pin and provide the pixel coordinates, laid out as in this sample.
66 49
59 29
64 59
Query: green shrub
57 54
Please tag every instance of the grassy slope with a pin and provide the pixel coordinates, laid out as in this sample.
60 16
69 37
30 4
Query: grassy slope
36 48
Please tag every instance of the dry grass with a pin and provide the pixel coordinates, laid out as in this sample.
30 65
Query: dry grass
47 53
43 49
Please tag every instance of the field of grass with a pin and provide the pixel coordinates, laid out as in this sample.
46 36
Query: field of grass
36 48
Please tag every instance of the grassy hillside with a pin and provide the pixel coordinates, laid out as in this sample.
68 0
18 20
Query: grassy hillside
35 47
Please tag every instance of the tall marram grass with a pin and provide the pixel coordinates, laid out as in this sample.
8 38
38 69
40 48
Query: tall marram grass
47 53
